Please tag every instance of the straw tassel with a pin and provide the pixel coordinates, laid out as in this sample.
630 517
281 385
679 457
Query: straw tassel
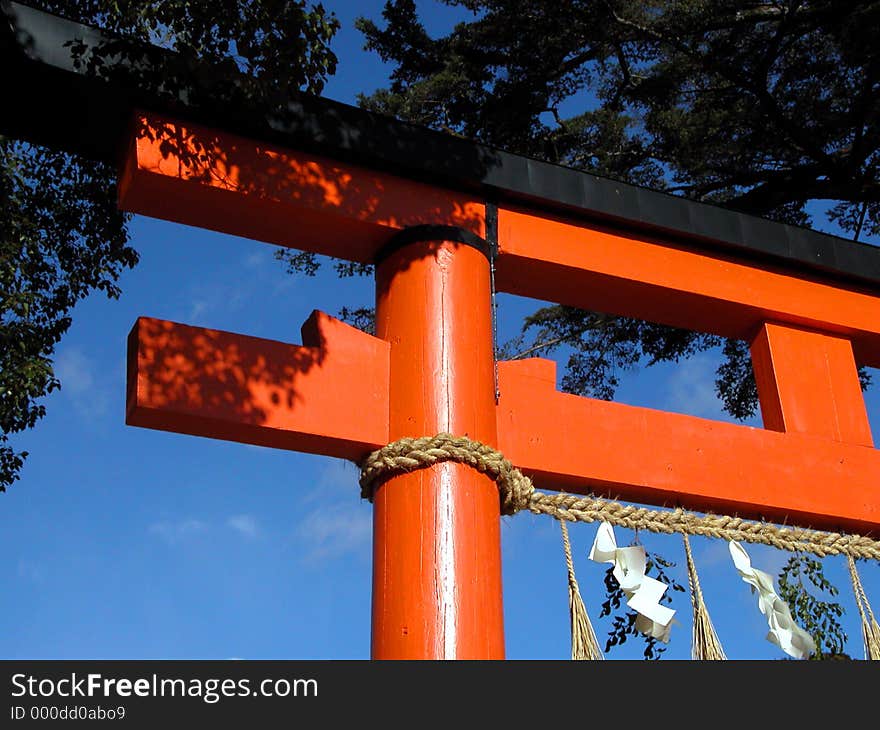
583 639
870 628
706 645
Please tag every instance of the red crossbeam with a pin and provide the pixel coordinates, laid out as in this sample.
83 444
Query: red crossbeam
639 274
215 180
328 397
584 446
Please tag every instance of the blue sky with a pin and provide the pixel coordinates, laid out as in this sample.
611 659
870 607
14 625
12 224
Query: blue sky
121 542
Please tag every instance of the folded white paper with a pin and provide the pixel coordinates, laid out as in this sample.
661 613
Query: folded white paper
784 632
643 592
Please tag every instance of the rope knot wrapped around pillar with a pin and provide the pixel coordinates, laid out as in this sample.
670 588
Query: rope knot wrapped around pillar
408 454
516 493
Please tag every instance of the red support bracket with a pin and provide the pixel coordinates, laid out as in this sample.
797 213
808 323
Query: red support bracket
329 396
808 383
588 446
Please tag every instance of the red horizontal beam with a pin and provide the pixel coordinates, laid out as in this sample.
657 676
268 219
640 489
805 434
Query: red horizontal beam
587 446
327 397
331 397
210 179
626 273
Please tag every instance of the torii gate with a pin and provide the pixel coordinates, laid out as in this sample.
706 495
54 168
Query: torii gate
808 304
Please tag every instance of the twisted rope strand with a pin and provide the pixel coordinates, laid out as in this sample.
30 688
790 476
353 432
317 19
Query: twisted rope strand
517 493
792 539
408 454
704 639
584 644
870 627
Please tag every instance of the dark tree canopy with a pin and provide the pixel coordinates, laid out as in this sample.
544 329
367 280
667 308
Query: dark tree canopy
762 106
769 107
61 235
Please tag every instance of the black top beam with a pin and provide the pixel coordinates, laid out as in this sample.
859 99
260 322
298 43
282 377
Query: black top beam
47 98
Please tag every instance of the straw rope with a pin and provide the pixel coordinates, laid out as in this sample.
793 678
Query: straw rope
584 644
870 628
517 493
792 539
704 644
408 454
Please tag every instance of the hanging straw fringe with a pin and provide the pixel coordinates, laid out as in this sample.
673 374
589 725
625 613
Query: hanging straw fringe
583 639
706 645
870 628
518 493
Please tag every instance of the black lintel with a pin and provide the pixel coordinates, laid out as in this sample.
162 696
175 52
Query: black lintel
48 99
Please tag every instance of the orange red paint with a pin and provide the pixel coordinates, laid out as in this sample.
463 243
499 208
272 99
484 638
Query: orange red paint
436 555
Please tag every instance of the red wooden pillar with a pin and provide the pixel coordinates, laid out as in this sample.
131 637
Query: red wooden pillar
808 383
436 537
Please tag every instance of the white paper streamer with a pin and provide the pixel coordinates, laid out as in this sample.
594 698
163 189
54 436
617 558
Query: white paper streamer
784 632
643 592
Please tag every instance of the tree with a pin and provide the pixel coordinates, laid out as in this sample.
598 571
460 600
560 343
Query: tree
803 586
61 235
623 622
759 105
763 106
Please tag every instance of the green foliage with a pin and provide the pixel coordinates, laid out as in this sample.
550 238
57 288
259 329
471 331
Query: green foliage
308 264
364 318
757 105
762 106
281 45
735 380
803 586
600 346
623 623
61 235
298 262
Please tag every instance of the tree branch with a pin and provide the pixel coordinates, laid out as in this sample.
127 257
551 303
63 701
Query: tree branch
761 94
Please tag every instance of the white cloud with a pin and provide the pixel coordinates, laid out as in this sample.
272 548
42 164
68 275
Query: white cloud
197 309
769 559
74 370
256 259
335 520
710 552
175 532
339 475
691 389
336 530
337 480
220 297
79 383
246 525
